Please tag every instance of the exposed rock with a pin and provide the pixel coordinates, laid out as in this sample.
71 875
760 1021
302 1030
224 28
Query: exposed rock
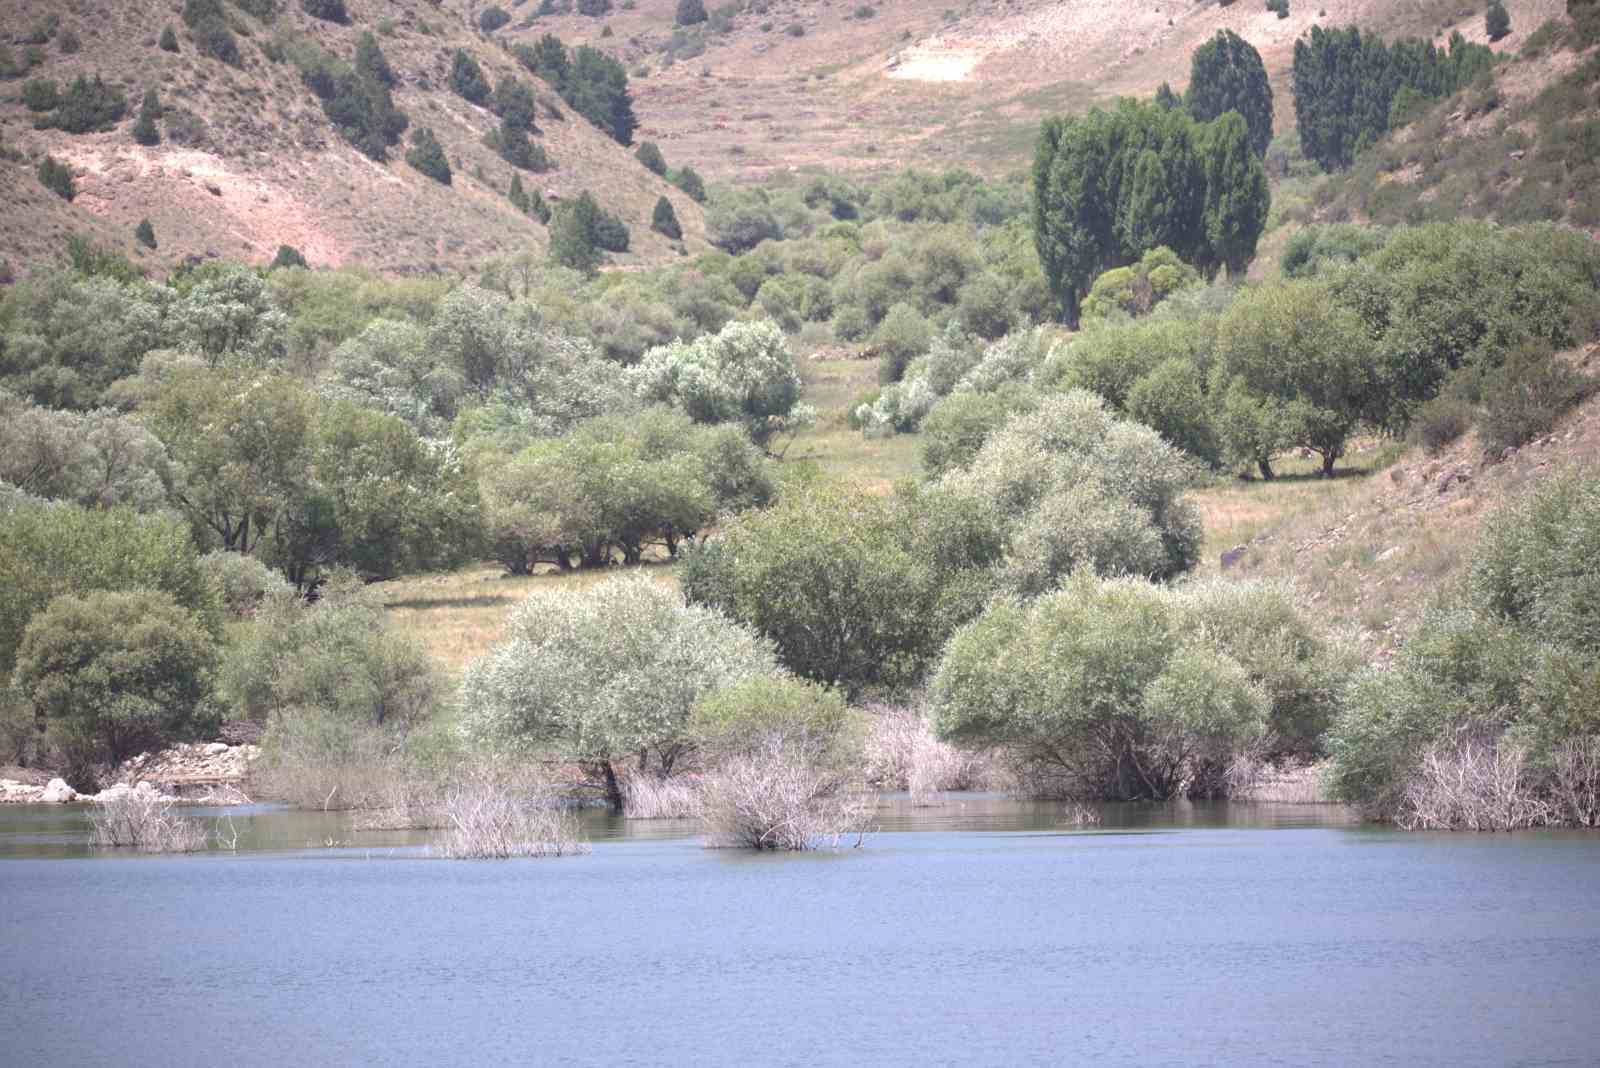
216 748
57 792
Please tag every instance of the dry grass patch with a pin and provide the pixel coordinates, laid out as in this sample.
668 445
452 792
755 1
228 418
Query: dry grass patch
461 615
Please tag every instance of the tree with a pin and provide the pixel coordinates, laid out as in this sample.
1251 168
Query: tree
169 40
144 129
1496 21
833 580
51 549
548 59
466 78
372 63
514 102
572 236
1110 186
1226 74
1292 349
649 154
1237 199
112 673
1101 689
427 155
492 18
744 374
97 459
242 441
375 498
597 89
690 12
1138 288
1345 84
145 234
605 677
517 195
664 220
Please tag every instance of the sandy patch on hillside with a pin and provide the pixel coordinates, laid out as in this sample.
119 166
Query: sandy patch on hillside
928 64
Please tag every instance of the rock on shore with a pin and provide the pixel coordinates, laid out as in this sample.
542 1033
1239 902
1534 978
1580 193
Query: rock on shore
198 773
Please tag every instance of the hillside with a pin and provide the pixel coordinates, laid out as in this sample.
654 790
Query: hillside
761 89
918 81
260 165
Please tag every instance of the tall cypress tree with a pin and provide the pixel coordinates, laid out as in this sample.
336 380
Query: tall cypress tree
1226 74
664 220
1237 198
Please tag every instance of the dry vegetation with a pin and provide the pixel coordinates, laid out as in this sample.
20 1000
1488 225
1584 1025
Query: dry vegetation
145 820
1367 551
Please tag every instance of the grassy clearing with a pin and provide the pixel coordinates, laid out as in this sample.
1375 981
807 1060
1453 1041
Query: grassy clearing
459 616
833 387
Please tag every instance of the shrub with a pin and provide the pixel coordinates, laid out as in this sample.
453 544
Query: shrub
603 676
144 819
242 581
287 256
40 94
427 155
1102 689
214 39
1524 396
841 584
1496 687
492 18
1441 421
595 9
169 40
688 180
689 12
649 154
773 798
495 818
610 232
903 336
113 673
664 220
145 234
326 10
744 373
88 106
57 177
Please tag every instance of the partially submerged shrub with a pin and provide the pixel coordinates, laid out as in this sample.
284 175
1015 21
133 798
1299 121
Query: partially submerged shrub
1122 689
496 817
145 820
605 678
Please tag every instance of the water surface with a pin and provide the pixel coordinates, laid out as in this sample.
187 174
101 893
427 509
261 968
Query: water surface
979 932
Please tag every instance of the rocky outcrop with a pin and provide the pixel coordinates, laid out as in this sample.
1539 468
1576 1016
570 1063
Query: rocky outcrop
199 773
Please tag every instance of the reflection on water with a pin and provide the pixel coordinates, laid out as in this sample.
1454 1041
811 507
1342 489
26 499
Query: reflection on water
978 931
62 830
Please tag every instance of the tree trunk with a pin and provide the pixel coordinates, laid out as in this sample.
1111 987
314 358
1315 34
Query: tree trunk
613 788
1266 469
1328 460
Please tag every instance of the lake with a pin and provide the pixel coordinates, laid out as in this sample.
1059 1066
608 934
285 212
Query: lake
981 931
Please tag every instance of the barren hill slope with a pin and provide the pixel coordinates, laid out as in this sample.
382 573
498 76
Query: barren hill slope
783 84
255 163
